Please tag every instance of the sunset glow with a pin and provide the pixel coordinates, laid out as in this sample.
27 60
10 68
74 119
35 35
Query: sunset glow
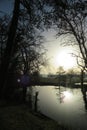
65 59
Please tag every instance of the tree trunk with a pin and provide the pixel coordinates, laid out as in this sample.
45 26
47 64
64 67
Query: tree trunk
4 68
36 100
24 93
82 78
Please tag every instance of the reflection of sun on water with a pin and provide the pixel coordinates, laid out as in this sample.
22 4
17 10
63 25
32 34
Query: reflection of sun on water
66 95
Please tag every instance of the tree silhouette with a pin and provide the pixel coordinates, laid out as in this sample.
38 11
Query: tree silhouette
60 75
23 42
69 18
9 47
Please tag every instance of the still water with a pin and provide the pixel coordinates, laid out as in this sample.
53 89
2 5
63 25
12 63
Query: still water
64 105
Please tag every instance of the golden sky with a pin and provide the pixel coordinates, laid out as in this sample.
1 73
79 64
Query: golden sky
58 54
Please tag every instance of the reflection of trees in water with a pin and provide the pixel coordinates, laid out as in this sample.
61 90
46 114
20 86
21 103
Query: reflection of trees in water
64 94
59 93
84 93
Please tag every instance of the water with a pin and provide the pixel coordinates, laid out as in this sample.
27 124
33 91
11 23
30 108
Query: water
64 105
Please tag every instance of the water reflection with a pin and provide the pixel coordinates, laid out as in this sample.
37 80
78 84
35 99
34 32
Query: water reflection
84 92
64 105
66 96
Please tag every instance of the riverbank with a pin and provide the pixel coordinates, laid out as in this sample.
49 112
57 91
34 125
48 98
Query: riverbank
20 117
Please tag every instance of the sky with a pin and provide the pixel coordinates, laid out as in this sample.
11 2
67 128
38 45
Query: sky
6 6
57 54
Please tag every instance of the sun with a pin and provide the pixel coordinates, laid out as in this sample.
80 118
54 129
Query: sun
65 59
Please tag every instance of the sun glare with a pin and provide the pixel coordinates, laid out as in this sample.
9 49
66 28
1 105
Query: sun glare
67 94
65 59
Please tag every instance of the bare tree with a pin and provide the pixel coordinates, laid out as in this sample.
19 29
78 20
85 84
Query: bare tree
71 20
4 20
60 75
24 40
9 46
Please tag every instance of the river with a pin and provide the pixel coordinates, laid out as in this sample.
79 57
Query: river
64 105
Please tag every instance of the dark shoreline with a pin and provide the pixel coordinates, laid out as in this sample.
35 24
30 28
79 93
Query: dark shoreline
12 117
